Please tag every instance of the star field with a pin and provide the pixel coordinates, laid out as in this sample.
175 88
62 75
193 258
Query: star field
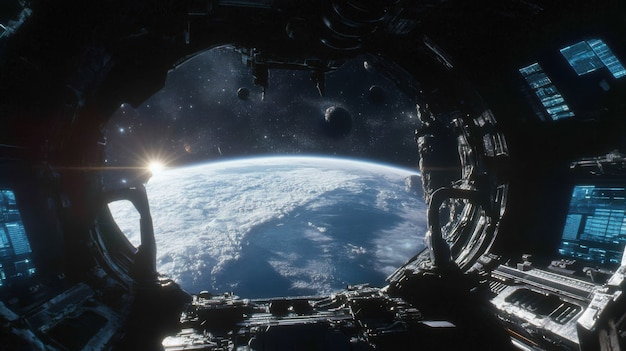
198 116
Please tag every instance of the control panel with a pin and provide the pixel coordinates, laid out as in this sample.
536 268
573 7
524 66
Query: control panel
553 306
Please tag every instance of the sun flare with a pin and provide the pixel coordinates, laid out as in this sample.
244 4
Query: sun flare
156 167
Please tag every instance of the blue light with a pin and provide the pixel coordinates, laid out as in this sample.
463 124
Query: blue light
546 91
595 228
607 57
591 55
582 58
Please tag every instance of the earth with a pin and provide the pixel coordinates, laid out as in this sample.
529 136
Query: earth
281 226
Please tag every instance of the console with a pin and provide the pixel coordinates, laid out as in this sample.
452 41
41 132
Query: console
35 287
16 261
595 229
553 301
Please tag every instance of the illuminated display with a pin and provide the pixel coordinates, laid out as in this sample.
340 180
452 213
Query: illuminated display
546 91
591 55
15 250
595 228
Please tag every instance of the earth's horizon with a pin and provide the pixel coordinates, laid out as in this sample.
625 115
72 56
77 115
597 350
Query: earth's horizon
281 225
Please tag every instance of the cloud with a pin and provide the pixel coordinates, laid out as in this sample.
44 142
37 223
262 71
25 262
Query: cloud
303 221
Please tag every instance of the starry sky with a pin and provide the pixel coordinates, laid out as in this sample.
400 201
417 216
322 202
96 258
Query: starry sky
198 116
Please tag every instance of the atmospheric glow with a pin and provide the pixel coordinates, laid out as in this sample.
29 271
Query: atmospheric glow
212 218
